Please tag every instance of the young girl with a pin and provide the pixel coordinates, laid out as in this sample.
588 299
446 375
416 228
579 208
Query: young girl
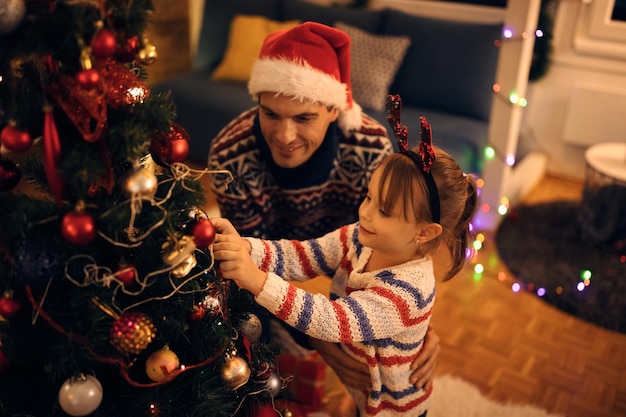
383 284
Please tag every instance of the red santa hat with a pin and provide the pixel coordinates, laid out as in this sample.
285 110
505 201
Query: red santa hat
310 62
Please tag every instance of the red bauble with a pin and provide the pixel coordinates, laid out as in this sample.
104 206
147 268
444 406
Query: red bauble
9 175
104 44
88 78
171 147
9 307
14 139
78 228
127 49
203 233
126 274
179 150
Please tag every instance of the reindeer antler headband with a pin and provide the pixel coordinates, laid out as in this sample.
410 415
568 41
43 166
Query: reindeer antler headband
426 156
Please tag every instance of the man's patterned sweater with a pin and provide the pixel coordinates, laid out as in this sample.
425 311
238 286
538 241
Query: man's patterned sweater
271 202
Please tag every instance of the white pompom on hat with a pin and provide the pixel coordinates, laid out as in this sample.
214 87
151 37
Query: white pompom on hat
309 62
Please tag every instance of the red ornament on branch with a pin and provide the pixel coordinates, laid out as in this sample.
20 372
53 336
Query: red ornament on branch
14 139
203 233
9 306
171 147
78 227
103 44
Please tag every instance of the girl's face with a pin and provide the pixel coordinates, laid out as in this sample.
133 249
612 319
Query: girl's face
390 233
293 130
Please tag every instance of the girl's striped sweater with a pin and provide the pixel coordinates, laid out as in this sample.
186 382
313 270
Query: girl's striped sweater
379 318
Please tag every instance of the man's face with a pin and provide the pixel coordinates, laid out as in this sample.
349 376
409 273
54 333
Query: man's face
293 130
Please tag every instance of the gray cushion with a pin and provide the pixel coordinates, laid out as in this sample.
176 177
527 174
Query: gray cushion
375 61
458 59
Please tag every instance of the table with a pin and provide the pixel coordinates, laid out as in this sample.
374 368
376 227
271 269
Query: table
603 209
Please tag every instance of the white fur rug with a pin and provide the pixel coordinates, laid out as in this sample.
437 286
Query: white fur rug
454 397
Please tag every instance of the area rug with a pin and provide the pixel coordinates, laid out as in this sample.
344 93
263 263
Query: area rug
455 397
545 248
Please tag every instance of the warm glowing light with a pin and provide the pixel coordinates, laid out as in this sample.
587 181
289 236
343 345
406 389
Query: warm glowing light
485 208
541 292
136 94
502 209
510 159
523 102
513 97
480 183
480 237
505 201
501 276
479 268
559 290
477 245
587 282
496 88
516 287
585 274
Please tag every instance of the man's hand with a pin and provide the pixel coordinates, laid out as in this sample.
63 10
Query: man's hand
424 364
352 373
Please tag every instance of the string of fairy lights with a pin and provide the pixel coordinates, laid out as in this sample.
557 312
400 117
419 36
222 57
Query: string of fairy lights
482 266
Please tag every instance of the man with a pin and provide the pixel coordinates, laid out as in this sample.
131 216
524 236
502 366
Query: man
302 159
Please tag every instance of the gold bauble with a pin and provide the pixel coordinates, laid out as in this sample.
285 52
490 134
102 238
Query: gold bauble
235 372
161 363
147 55
132 332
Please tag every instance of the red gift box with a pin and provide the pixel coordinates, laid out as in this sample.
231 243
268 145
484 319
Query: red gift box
306 378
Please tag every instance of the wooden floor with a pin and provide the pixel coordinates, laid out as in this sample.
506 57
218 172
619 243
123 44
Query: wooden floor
517 348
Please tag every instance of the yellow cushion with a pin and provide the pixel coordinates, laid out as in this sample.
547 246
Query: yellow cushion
246 36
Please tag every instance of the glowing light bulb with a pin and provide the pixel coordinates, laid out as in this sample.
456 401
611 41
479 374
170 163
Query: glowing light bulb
513 97
479 268
580 286
496 88
502 209
507 32
585 274
490 153
477 245
516 287
510 159
541 292
539 33
485 208
501 276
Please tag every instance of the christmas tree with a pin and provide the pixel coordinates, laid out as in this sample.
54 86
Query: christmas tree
110 301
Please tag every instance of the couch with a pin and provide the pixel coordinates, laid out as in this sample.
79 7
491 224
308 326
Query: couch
442 69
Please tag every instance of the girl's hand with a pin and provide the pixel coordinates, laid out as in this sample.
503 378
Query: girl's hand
233 253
